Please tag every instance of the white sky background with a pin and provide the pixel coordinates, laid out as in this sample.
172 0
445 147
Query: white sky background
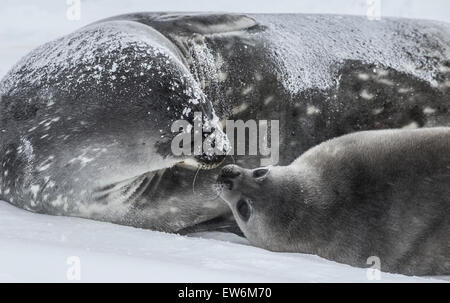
25 24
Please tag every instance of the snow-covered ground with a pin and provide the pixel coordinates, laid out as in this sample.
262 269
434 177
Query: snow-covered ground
44 248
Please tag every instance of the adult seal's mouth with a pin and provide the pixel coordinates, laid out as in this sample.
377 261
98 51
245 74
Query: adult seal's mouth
214 155
217 150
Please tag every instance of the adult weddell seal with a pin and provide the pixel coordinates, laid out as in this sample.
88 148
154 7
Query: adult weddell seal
85 120
374 193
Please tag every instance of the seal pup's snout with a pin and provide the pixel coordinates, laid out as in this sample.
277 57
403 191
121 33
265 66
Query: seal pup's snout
228 182
230 171
228 176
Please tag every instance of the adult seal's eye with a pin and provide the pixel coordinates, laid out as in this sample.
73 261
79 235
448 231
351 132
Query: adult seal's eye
260 172
243 209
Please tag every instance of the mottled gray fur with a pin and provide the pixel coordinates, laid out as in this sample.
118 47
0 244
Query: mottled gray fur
373 193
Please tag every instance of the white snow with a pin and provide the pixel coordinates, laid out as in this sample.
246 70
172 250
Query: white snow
36 247
44 248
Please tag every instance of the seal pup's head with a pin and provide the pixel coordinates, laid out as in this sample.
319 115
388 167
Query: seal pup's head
270 204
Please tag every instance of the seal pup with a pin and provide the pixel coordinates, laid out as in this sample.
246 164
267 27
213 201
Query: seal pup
374 193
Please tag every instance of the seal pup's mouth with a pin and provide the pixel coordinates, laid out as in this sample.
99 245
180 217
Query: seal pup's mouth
226 184
227 187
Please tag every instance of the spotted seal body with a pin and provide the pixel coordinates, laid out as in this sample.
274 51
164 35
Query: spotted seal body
86 119
373 193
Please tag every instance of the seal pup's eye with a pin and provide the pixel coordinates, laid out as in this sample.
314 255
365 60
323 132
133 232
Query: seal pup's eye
260 172
243 209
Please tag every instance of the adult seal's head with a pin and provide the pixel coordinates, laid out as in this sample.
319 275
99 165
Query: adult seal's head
93 109
373 193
